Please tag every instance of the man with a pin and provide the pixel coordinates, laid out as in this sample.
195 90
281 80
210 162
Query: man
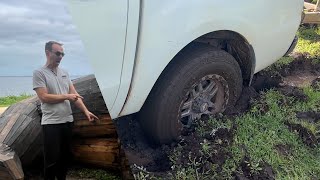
55 91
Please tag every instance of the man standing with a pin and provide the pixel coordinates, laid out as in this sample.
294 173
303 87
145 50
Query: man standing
55 91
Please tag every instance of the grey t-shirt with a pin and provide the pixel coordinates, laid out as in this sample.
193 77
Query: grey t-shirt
56 84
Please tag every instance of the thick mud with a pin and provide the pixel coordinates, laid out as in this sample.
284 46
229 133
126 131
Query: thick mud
305 134
245 171
158 160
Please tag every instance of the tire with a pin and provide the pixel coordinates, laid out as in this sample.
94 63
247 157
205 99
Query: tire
198 65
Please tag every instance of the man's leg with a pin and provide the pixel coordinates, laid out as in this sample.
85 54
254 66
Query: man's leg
66 155
51 137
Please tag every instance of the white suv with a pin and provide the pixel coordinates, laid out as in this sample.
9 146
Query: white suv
175 60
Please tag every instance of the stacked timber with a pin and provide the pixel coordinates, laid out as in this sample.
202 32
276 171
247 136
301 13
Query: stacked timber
93 143
20 137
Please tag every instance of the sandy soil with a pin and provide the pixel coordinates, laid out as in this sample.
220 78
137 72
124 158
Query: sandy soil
2 109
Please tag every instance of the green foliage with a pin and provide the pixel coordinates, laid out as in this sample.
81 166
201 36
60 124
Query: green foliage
9 100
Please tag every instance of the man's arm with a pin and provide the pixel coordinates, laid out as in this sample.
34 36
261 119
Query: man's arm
45 97
79 103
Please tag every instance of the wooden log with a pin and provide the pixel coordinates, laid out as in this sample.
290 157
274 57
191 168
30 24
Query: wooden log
317 9
20 127
125 167
10 165
311 18
309 6
102 152
104 127
87 87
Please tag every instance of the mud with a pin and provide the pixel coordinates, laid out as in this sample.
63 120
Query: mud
305 134
286 80
294 92
245 171
138 150
284 149
310 116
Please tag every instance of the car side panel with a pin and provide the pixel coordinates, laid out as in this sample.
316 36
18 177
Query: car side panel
169 25
102 26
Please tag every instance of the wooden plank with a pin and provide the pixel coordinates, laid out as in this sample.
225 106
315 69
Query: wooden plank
102 127
4 173
95 131
25 139
311 18
21 129
111 148
101 152
88 88
14 167
11 108
11 162
309 6
104 119
35 149
8 126
5 117
15 130
317 6
126 172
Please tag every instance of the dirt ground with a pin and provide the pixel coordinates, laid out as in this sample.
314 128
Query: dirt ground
287 80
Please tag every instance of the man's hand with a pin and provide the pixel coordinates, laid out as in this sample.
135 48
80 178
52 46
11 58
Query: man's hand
90 116
73 97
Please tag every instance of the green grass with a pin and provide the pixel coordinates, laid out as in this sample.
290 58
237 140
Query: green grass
261 132
9 100
309 41
99 174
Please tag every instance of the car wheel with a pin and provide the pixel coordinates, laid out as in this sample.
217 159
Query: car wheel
201 80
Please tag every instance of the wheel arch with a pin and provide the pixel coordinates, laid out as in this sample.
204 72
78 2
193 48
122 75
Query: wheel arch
229 41
222 39
236 45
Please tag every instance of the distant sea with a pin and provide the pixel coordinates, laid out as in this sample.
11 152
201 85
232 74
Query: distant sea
17 85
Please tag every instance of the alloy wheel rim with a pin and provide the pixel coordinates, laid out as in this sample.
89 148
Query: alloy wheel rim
208 96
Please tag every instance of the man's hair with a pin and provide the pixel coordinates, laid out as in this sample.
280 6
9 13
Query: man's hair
49 44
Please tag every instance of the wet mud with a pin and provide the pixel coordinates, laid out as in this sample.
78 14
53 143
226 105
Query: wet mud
305 134
246 171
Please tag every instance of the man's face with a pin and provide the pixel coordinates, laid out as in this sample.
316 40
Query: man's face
56 55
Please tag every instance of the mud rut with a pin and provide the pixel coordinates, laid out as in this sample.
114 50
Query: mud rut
287 80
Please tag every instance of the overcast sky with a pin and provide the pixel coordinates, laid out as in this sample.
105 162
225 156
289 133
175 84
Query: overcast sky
25 26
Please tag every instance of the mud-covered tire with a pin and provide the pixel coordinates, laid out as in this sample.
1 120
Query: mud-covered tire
160 115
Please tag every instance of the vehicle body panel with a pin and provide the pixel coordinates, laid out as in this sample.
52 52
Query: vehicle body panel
102 26
167 26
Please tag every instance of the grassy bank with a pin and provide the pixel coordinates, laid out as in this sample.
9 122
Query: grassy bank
9 100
